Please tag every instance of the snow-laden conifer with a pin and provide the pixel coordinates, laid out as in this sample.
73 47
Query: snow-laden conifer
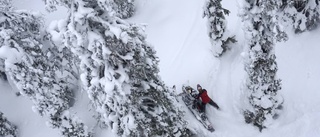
302 15
60 57
31 72
119 70
7 129
220 37
123 8
262 84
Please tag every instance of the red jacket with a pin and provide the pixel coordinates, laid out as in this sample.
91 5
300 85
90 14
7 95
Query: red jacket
204 96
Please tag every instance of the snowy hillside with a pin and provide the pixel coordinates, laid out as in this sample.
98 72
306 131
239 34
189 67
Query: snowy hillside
178 32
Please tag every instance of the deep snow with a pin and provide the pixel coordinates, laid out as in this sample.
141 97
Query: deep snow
178 32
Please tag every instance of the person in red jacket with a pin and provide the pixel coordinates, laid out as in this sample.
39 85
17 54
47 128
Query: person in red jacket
205 99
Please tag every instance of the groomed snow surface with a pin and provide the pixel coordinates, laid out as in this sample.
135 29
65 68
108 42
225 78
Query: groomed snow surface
178 32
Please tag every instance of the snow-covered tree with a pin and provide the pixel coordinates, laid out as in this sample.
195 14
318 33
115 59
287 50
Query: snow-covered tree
7 129
61 59
5 5
262 84
3 75
123 8
119 70
301 14
51 5
28 67
220 37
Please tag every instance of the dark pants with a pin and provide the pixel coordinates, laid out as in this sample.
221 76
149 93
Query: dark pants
214 104
202 106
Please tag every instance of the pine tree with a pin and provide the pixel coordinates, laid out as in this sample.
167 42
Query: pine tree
3 75
301 14
220 38
51 5
123 8
27 66
119 70
5 5
7 129
262 84
61 59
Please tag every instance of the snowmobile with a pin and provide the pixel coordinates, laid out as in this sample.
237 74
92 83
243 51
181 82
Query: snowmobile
189 98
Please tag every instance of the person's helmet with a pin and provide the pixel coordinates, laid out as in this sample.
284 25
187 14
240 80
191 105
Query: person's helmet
199 87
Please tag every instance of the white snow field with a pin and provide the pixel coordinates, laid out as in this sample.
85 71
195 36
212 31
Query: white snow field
178 32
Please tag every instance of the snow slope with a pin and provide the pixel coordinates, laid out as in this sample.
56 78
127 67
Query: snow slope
178 32
179 36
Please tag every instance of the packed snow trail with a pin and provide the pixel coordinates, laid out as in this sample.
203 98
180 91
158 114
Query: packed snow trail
179 37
